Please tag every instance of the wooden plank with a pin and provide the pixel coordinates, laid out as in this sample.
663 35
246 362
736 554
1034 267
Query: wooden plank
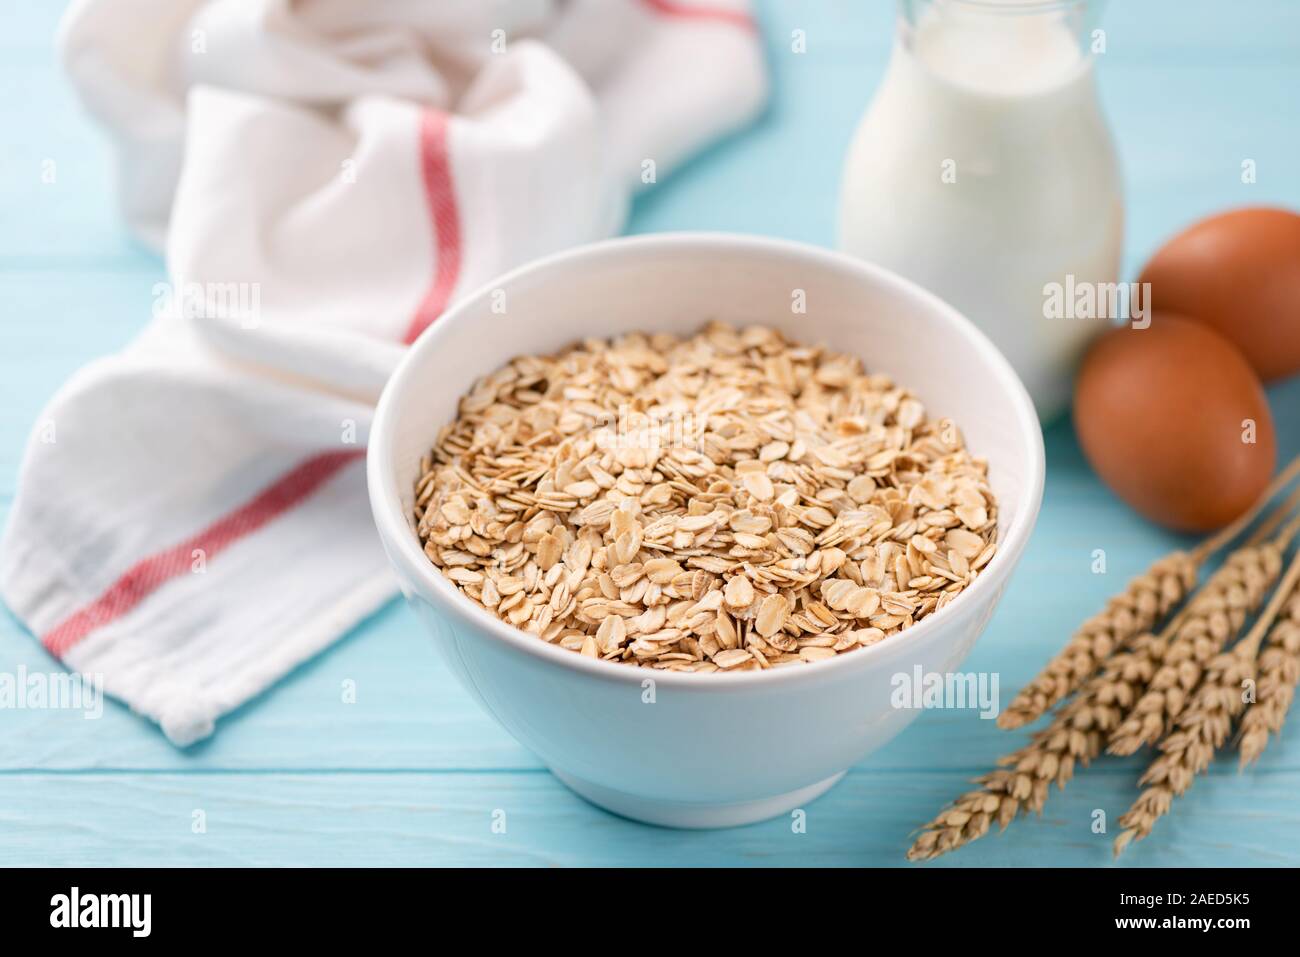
431 819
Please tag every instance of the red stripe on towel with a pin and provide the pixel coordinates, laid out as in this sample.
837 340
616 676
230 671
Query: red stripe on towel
149 574
675 8
440 198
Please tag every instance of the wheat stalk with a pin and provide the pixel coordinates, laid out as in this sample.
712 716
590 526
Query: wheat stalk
1179 666
1279 673
1143 605
1077 732
1203 727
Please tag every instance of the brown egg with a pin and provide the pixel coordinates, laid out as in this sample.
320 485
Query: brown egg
1239 272
1164 415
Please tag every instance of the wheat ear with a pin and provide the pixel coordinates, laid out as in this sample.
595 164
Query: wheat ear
1279 673
1204 725
1078 731
1142 606
1195 641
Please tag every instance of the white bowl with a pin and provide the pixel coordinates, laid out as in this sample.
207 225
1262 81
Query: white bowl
707 750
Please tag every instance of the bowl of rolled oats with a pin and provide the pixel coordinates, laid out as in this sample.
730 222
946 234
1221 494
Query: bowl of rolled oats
682 511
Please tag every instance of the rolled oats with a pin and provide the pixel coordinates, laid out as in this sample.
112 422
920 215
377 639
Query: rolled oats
725 502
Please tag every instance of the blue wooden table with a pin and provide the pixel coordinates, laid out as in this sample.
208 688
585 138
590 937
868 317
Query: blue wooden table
412 772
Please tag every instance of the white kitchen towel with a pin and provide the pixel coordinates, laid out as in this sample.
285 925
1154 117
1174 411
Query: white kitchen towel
324 176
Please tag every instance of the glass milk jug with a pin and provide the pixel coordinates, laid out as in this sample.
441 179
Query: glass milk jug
984 171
